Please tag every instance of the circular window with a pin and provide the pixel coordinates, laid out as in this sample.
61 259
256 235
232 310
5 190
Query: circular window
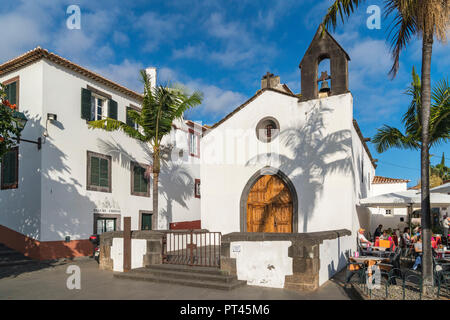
267 129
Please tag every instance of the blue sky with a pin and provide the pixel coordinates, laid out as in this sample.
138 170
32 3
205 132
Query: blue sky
222 48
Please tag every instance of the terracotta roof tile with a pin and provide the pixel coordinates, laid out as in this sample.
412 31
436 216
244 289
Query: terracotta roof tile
39 53
380 180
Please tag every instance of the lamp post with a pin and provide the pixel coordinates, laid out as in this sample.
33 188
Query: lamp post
21 121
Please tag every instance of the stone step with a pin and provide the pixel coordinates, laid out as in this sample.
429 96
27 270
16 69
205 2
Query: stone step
4 252
185 268
187 282
16 262
13 256
186 275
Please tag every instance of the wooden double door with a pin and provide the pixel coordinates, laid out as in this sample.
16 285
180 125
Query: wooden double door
269 206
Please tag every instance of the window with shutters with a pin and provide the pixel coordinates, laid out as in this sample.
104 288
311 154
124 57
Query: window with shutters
99 107
12 91
194 144
129 121
10 169
98 172
139 180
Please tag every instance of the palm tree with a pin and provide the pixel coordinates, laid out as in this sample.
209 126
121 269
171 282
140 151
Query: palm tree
160 107
412 18
388 137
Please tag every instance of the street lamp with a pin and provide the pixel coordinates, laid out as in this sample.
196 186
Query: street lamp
21 121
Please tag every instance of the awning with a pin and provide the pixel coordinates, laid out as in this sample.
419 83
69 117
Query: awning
445 188
403 199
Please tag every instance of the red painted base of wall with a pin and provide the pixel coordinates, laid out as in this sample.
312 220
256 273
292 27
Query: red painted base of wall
185 225
44 250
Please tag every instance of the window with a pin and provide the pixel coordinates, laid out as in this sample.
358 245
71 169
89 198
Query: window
139 181
98 108
197 188
267 129
146 220
10 169
12 91
98 172
106 225
388 212
129 121
194 144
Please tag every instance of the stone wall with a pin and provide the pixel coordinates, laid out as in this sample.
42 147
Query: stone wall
153 253
304 254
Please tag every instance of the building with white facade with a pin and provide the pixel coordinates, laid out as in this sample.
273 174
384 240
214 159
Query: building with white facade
281 176
83 181
394 218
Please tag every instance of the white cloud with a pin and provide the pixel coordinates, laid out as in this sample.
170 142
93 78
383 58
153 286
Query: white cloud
217 102
127 73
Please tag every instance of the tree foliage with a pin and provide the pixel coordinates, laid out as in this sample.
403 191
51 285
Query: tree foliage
8 124
389 137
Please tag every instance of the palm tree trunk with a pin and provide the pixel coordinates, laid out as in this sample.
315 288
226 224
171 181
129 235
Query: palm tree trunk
156 169
427 262
155 200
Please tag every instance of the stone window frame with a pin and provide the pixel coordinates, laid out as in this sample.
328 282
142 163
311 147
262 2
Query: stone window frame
88 172
261 126
142 212
14 185
132 192
12 80
107 216
197 183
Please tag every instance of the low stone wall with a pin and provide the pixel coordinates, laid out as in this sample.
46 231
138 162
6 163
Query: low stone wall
264 259
146 249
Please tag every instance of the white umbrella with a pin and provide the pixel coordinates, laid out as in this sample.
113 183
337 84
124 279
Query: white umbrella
403 199
445 188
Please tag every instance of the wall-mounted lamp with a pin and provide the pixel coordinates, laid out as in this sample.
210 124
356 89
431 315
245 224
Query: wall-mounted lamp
52 117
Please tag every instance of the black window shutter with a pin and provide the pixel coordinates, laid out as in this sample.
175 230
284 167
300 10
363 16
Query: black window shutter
129 121
112 109
9 168
95 171
104 178
86 104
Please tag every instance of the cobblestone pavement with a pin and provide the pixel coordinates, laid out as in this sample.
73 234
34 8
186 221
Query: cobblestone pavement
48 281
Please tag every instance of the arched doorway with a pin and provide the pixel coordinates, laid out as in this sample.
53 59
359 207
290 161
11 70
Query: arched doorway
269 203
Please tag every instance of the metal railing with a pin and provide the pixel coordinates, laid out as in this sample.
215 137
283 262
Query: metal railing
192 248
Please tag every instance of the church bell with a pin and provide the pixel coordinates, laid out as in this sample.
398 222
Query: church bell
324 87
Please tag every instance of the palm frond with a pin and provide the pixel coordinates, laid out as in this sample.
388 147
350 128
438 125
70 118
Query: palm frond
109 124
402 28
389 137
343 8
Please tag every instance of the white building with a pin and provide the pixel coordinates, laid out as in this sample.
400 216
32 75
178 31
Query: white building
394 218
84 181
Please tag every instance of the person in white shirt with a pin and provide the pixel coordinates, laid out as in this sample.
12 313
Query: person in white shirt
445 224
364 243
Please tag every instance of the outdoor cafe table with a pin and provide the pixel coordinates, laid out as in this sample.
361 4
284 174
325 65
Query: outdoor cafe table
445 254
367 259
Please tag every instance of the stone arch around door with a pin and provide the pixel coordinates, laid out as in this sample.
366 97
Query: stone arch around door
252 181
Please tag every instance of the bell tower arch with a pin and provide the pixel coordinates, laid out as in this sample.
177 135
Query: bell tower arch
324 46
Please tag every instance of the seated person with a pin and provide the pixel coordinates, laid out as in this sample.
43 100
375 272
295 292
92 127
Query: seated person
363 242
385 236
418 250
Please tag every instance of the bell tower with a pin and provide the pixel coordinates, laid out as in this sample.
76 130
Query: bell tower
324 46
